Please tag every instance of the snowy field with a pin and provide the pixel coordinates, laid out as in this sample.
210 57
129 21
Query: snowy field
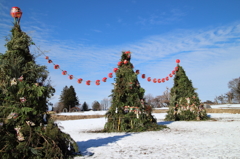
215 139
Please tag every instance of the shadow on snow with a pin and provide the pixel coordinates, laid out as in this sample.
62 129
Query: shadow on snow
164 122
85 145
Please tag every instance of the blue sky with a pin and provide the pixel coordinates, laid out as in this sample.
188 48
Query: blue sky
86 39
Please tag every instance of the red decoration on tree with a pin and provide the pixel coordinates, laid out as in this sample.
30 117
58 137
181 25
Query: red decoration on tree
137 72
20 78
88 82
125 61
177 61
127 52
110 75
170 75
167 78
56 66
149 79
47 57
70 77
176 68
173 72
64 72
159 80
16 12
49 61
143 76
23 99
97 82
80 80
115 70
154 80
119 63
163 79
104 79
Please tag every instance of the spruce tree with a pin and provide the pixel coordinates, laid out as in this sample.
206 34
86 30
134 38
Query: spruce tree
128 112
184 101
26 131
84 107
68 97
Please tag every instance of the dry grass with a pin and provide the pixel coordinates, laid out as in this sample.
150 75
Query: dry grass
232 111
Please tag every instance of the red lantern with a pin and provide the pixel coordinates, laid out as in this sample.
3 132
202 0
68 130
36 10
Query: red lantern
88 82
70 77
115 70
143 76
137 72
47 57
104 79
97 82
56 66
173 72
170 75
49 61
64 72
125 61
163 79
80 80
127 52
176 68
154 80
110 75
177 61
16 12
159 80
149 79
119 63
167 78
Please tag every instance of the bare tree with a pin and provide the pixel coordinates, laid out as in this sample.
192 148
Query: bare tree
149 99
229 97
105 104
58 107
221 98
216 100
234 86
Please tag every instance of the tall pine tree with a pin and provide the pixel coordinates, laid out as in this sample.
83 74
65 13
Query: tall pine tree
69 97
25 130
184 101
128 111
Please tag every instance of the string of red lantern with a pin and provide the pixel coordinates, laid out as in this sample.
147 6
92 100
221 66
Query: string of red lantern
110 75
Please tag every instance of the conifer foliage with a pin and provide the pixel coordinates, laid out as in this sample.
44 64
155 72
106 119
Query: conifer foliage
69 98
26 131
184 101
128 112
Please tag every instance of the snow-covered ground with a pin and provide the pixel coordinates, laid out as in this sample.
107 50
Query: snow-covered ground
195 139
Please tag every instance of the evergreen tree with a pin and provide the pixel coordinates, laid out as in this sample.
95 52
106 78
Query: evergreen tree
184 101
128 111
85 106
68 97
96 106
24 92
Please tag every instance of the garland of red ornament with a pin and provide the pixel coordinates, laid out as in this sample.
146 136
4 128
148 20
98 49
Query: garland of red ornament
110 75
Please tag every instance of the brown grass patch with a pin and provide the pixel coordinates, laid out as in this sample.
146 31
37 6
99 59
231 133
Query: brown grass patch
74 117
232 111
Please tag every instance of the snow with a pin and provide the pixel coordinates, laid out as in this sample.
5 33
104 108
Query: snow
214 139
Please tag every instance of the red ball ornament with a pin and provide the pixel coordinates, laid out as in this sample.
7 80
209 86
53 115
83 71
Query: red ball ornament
88 82
170 75
119 63
47 57
115 70
125 61
167 78
154 80
149 79
80 80
64 72
127 52
176 68
143 76
56 66
110 75
97 82
177 61
137 72
70 77
16 12
104 79
173 72
163 79
49 61
159 80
